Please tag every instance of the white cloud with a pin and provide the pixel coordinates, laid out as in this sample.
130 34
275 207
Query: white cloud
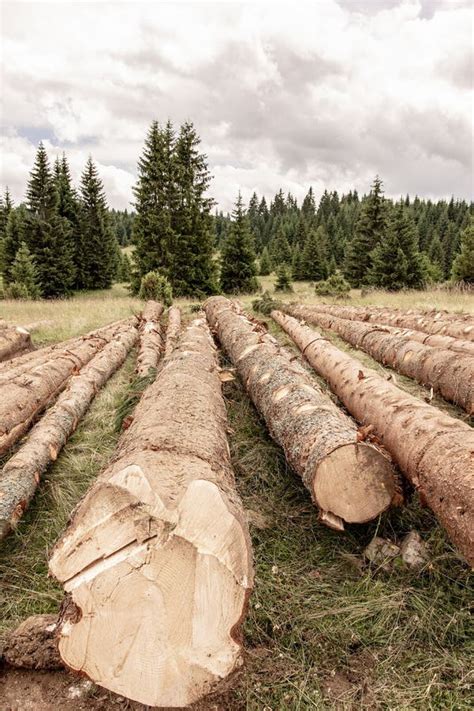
327 93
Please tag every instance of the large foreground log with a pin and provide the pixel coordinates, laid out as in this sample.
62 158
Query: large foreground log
349 480
449 373
436 452
25 394
157 557
151 338
461 326
21 474
14 340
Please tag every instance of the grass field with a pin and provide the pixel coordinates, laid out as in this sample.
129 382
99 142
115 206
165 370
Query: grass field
325 630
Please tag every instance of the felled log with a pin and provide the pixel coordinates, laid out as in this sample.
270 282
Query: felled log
157 557
14 340
460 326
22 473
449 373
350 481
433 450
25 394
151 338
172 330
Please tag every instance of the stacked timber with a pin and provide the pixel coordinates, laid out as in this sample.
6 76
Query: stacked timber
157 557
434 451
21 474
350 481
14 340
459 326
450 373
151 338
172 330
25 392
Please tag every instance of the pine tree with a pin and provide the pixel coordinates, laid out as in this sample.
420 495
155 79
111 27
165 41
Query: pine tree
463 266
308 208
436 258
370 229
125 271
155 203
265 263
6 206
24 276
99 248
297 264
46 233
280 248
451 247
69 208
193 270
12 241
314 266
238 272
283 282
396 261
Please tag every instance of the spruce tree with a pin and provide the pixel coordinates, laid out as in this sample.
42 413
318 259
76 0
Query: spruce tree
238 272
46 233
297 270
265 263
14 235
463 265
24 276
6 206
69 208
193 269
156 202
370 228
125 271
283 282
99 248
314 266
280 248
436 258
396 261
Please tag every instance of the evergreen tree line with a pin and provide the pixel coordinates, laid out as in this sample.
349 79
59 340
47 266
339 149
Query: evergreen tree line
60 239
372 240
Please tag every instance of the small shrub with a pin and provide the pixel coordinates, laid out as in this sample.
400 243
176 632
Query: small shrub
265 304
335 285
157 287
283 282
15 290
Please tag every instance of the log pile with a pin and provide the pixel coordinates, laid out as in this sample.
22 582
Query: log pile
449 373
434 451
157 556
151 338
350 481
21 474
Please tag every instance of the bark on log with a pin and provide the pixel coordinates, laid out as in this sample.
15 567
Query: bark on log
24 395
13 342
33 644
172 330
151 338
21 474
461 327
435 451
157 557
350 481
448 373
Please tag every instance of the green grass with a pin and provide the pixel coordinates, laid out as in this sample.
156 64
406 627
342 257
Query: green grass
319 615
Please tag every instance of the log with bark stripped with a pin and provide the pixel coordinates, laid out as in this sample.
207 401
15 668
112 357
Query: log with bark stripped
14 341
350 481
460 327
157 557
21 474
435 451
449 373
151 338
26 394
172 330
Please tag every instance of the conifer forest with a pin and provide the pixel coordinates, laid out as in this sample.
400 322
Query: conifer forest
237 393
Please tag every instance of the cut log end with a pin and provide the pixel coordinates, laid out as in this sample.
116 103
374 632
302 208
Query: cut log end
355 482
187 565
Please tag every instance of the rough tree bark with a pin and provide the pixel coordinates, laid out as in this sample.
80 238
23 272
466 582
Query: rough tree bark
157 557
172 330
151 338
349 480
461 326
14 341
21 474
448 373
435 451
24 395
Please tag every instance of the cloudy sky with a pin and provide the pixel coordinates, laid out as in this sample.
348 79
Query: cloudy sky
326 93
